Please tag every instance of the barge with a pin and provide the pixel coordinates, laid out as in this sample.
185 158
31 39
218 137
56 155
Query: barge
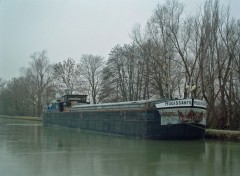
150 119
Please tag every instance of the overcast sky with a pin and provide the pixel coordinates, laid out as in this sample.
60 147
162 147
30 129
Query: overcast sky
70 28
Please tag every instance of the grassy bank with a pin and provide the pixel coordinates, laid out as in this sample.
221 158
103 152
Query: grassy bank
22 117
223 134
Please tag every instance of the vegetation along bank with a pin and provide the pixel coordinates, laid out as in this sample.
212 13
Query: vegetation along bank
22 117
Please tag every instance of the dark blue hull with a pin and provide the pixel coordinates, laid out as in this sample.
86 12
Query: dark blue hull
132 123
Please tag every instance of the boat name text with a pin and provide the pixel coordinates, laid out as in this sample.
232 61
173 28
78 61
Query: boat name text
179 102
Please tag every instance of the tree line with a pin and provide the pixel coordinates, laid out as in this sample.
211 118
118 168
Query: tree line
174 56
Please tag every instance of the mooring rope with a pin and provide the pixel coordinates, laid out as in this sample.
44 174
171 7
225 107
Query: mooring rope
195 126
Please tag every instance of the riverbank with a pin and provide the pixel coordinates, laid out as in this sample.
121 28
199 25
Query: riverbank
22 117
222 135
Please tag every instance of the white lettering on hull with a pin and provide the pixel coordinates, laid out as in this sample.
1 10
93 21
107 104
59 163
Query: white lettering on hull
182 103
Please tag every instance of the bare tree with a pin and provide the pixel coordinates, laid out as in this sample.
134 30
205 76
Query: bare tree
126 68
158 48
15 98
145 49
2 83
109 91
216 39
39 76
92 67
67 74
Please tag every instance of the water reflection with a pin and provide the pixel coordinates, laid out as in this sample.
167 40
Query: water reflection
27 148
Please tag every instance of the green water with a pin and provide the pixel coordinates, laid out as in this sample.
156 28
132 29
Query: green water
27 148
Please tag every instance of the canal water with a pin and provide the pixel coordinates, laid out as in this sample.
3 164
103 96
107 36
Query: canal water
27 148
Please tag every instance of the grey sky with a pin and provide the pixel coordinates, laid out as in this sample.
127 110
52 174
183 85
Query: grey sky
70 28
